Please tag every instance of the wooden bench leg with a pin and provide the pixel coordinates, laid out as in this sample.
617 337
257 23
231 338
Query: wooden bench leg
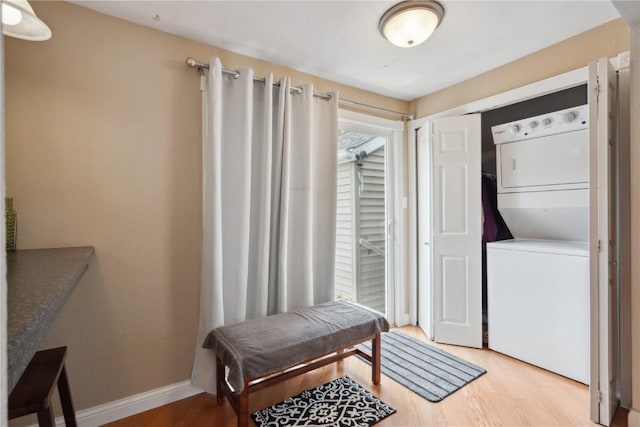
46 418
243 406
65 399
219 379
375 362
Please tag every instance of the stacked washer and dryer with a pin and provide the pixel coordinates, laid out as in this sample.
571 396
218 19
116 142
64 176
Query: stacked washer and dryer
538 283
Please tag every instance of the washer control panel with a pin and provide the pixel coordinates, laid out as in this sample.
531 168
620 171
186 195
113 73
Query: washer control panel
562 121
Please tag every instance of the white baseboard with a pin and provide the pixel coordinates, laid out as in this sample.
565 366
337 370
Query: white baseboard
122 408
634 418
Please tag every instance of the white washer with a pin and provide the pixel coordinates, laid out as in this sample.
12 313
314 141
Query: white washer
538 304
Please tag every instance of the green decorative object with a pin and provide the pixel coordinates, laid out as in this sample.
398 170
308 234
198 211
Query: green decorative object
12 224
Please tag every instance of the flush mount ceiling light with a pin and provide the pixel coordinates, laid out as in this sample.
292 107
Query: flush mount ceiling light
20 21
410 23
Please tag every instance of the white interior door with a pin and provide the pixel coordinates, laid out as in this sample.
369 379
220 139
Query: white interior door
456 235
425 300
601 220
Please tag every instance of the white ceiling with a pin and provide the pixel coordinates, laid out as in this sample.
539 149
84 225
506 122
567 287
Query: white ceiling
339 40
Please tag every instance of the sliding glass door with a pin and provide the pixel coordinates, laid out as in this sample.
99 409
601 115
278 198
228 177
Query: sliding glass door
364 219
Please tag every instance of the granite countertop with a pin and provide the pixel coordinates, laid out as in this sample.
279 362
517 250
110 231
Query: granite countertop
39 282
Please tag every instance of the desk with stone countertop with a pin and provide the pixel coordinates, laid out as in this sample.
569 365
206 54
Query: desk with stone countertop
39 282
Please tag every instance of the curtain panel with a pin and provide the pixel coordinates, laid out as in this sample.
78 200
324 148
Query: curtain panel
269 159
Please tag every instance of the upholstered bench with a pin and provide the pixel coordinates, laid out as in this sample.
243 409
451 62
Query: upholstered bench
263 352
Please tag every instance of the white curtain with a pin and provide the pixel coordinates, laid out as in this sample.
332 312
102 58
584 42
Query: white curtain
269 202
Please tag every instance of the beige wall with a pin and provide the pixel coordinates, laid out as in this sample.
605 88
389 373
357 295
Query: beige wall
103 148
634 414
606 40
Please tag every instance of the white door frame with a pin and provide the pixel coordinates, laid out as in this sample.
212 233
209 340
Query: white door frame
397 310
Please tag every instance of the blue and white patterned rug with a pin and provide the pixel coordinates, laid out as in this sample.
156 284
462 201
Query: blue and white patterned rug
340 403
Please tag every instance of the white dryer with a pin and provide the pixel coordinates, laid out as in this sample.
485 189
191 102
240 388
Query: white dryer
538 283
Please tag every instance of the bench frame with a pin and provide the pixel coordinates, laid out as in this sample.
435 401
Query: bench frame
240 401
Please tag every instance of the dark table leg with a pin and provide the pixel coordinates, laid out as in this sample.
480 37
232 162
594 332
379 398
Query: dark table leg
65 399
46 418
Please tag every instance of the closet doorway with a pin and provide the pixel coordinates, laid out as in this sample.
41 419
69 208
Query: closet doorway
435 291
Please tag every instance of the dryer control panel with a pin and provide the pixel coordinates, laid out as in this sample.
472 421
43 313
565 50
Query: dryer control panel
554 123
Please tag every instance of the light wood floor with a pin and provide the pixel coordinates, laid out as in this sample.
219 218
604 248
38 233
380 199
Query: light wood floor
511 393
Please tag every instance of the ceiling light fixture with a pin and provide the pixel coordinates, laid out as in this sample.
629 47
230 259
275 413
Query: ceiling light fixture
20 21
410 23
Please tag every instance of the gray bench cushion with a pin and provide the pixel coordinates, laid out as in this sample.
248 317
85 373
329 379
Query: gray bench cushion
260 347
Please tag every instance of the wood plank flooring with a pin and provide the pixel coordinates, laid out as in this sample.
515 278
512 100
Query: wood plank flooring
511 393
